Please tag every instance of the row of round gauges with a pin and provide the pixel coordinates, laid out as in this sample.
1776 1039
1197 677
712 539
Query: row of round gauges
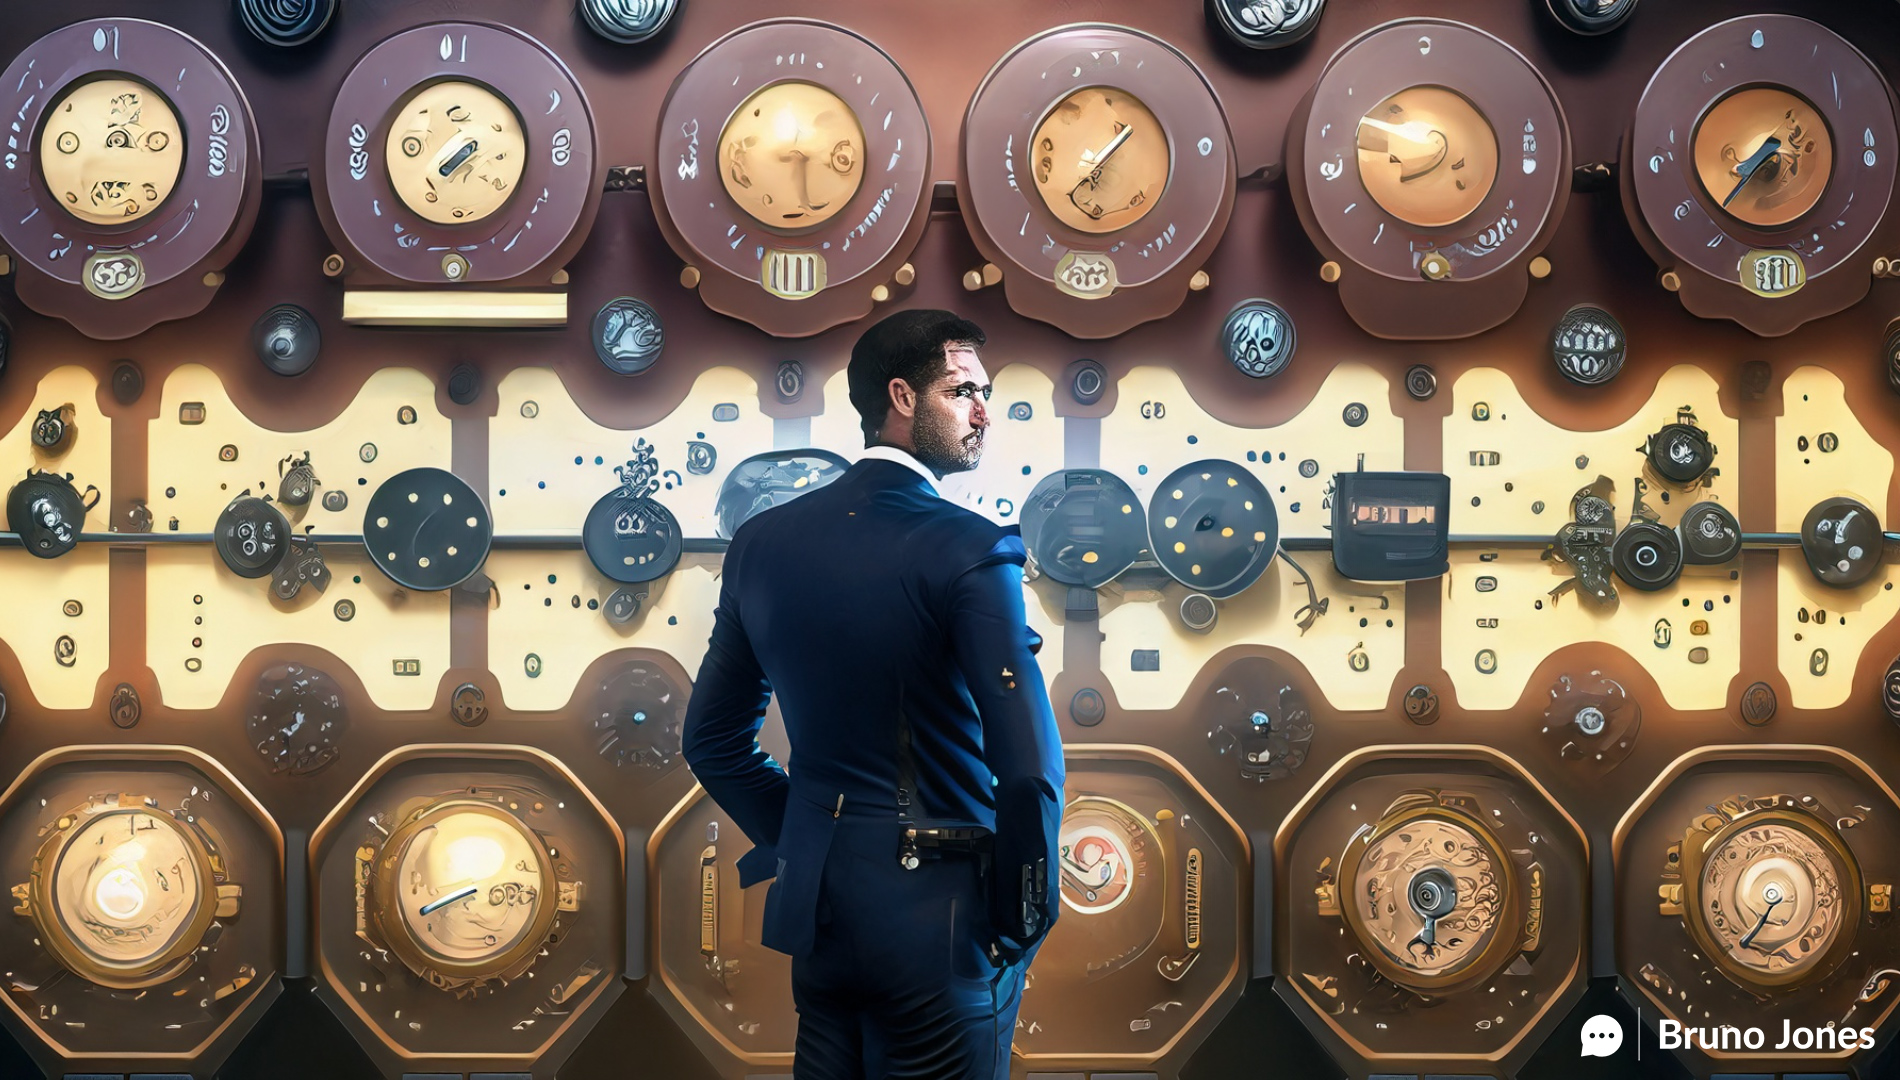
1431 164
149 873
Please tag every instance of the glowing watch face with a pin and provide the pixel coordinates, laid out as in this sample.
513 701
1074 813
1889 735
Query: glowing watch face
455 152
1102 852
1100 160
1427 156
470 884
125 887
111 151
1764 155
1771 897
1430 894
792 155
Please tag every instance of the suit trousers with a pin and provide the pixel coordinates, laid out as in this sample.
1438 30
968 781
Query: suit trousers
898 983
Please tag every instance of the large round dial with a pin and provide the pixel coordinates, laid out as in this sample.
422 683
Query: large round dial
125 896
1101 160
1759 166
1213 526
1430 163
470 885
455 152
132 173
1103 850
793 171
792 155
111 150
1096 162
1764 155
1428 156
1772 895
1430 895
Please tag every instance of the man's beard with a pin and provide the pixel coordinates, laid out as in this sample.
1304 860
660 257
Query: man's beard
940 446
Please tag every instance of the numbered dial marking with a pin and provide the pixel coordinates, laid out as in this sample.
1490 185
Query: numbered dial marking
111 151
455 152
792 156
1101 160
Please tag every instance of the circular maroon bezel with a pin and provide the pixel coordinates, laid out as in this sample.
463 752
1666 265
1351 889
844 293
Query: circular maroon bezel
1506 90
214 194
1807 59
708 230
556 195
1012 224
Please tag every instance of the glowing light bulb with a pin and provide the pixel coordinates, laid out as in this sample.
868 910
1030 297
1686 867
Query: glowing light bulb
120 893
474 858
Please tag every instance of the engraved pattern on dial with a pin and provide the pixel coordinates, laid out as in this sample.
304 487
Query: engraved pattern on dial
1433 896
1806 207
1095 161
488 83
111 151
125 896
1772 895
1101 160
1430 140
471 890
825 185
1103 853
133 171
455 152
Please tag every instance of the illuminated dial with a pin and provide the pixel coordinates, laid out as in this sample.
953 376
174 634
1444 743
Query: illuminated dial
1103 848
1430 895
1764 155
128 888
1427 156
1430 164
1759 166
455 152
792 156
111 151
1770 893
1101 160
470 884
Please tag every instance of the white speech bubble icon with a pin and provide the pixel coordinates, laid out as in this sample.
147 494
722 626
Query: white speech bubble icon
1602 1036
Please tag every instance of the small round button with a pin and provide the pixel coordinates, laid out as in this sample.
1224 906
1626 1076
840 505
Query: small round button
1647 556
1710 534
1842 541
251 536
1680 452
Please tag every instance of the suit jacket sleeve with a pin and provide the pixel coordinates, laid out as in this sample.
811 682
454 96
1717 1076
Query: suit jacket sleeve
995 648
721 735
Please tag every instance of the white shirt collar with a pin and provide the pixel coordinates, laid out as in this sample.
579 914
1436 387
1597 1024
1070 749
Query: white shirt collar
882 452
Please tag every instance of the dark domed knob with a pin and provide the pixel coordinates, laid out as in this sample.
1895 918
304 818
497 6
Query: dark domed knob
1267 24
1588 346
287 339
1680 452
627 22
251 536
1842 541
1647 556
1591 17
1710 534
286 22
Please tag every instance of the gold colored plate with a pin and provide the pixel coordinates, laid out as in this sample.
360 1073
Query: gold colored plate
1789 180
792 155
455 152
111 151
1428 156
1100 160
1481 932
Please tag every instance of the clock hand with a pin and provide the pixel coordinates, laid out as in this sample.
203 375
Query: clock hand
462 893
1092 161
1746 170
1428 148
1748 941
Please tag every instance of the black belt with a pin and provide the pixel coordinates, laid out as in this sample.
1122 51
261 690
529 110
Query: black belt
917 842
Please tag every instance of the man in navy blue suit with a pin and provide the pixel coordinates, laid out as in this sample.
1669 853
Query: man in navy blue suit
914 834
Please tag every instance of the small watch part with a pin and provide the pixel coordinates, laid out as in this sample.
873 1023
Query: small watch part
1890 691
1647 556
1680 452
638 714
297 720
1198 612
1421 705
1267 24
1259 338
51 428
301 565
1710 534
297 481
1087 381
1421 382
465 384
125 709
469 706
1757 374
111 150
627 22
790 382
286 22
1842 541
344 610
1584 544
1889 355
336 500
1087 707
1591 719
286 339
1592 17
628 336
621 606
1588 346
1260 720
128 382
701 457
251 536
1758 704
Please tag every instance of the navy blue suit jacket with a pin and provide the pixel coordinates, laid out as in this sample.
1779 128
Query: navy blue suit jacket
879 613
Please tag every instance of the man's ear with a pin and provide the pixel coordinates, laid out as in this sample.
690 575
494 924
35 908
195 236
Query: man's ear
903 398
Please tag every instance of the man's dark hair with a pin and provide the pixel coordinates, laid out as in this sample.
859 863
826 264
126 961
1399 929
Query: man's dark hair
907 345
